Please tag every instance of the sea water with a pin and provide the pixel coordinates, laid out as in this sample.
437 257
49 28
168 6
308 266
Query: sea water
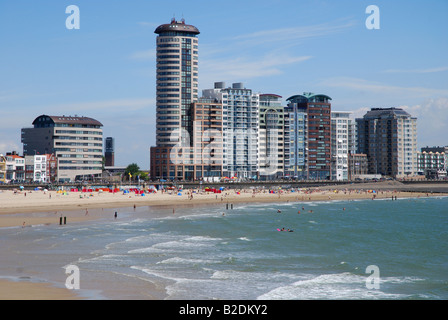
214 252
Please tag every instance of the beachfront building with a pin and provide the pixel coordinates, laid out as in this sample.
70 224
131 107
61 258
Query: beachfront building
2 169
177 88
357 166
15 168
200 157
207 139
432 162
308 137
389 138
343 142
76 142
240 128
271 137
40 168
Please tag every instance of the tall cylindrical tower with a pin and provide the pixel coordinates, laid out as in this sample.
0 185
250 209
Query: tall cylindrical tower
177 79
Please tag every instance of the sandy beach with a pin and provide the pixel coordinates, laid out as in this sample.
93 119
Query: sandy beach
27 208
25 290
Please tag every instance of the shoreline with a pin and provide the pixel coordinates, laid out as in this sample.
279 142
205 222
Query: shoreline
18 210
25 208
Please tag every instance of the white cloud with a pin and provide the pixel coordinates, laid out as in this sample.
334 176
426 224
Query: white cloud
383 89
8 146
242 68
240 59
293 34
116 105
432 121
428 70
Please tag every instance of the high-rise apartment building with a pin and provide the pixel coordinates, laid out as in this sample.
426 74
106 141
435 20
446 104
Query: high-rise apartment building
308 136
177 88
207 139
77 143
109 154
271 137
240 128
343 143
389 138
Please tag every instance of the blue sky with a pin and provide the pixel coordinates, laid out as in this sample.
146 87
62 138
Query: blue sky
106 69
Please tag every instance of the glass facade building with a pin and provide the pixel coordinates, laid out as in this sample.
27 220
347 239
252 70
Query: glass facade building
308 137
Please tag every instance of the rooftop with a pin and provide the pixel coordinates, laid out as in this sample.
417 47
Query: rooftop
379 112
309 97
176 26
66 120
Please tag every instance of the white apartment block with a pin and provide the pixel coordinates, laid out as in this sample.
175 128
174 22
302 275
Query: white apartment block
15 168
271 142
240 129
433 162
343 138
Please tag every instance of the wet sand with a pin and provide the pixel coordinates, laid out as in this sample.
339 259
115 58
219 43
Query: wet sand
25 290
